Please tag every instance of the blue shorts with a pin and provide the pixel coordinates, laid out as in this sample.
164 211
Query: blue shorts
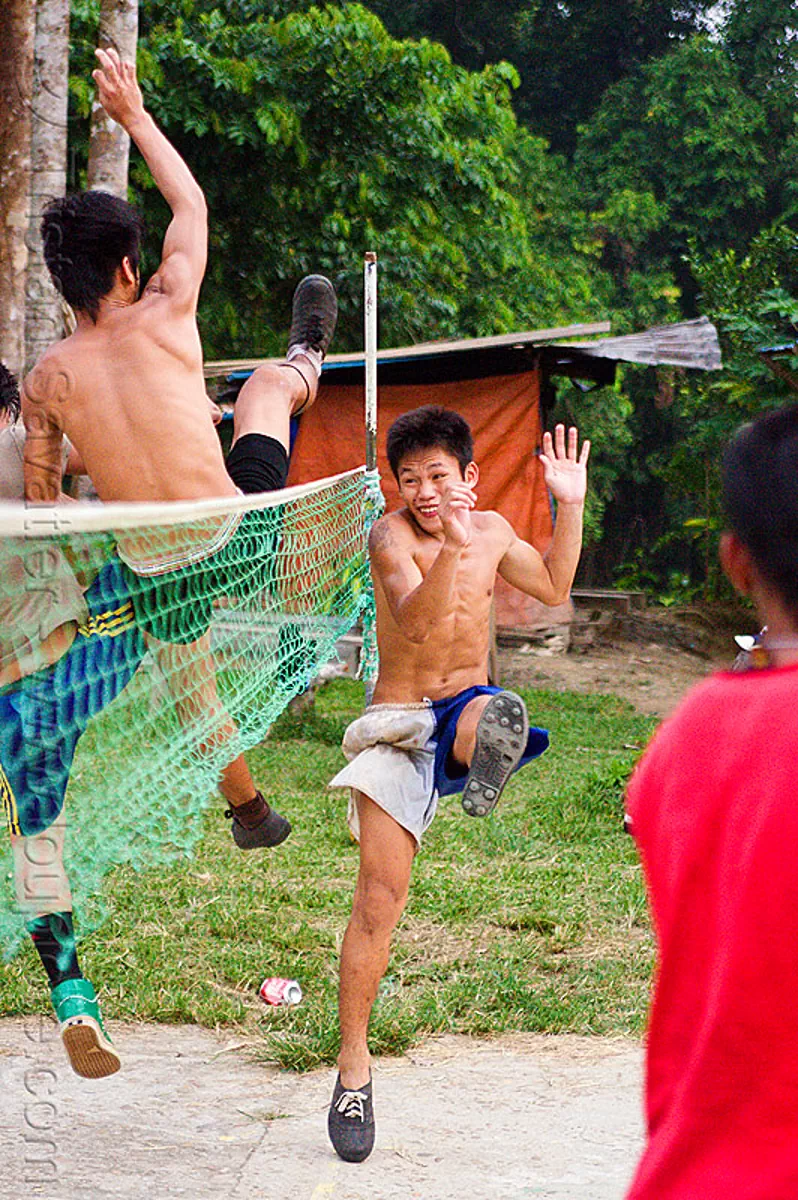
43 716
448 779
399 755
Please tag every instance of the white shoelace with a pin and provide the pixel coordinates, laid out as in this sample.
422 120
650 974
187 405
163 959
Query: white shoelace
352 1105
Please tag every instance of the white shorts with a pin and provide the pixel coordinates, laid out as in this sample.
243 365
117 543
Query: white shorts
391 753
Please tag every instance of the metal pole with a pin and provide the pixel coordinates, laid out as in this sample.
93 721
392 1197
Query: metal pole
370 285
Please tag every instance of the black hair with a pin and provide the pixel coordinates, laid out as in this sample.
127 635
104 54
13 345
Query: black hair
9 393
85 238
425 428
760 497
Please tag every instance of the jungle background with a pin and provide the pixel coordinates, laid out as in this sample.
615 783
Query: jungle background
515 165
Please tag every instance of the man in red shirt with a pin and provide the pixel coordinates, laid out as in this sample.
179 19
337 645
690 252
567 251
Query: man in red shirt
713 806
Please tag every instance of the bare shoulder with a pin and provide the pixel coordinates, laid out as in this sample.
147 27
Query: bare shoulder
50 384
390 535
495 528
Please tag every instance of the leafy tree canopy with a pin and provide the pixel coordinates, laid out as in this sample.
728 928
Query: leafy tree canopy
567 54
317 136
686 132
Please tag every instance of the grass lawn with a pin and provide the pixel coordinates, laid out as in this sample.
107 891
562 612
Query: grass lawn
533 919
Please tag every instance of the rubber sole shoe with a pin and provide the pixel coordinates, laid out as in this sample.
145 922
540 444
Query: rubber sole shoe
350 1122
271 831
90 1051
313 315
502 735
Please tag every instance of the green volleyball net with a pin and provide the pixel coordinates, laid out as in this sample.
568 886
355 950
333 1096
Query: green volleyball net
143 647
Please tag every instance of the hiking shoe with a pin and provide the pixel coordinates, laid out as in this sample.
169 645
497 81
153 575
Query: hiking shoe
350 1122
313 317
90 1050
314 313
502 735
270 830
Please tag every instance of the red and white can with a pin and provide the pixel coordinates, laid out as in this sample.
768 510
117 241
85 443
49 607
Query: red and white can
280 991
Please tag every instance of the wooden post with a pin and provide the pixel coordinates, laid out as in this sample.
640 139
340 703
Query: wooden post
17 23
44 320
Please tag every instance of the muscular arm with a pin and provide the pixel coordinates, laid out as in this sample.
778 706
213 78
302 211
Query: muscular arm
417 602
184 255
42 453
547 577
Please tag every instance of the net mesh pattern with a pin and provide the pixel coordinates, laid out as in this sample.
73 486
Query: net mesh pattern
139 684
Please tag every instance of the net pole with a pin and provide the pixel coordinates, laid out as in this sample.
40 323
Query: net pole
370 309
367 658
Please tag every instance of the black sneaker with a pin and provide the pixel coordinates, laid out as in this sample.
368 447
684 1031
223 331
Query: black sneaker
502 735
350 1122
269 831
313 317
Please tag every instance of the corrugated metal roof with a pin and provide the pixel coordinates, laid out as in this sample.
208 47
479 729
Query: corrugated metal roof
689 344
531 337
685 344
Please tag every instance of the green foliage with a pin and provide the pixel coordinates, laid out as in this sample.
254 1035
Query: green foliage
567 55
753 299
760 38
317 136
684 131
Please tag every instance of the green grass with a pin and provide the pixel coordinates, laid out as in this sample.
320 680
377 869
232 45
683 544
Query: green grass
533 919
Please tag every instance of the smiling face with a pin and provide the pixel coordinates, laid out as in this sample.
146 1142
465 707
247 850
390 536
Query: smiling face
424 476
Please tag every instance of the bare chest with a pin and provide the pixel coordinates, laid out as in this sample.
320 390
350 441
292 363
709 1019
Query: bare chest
476 573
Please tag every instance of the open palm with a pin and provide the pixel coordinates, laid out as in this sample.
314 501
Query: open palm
564 469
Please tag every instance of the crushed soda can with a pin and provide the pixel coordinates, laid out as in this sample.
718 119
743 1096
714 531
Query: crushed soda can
280 991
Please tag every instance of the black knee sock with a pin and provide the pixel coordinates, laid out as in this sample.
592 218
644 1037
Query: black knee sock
54 938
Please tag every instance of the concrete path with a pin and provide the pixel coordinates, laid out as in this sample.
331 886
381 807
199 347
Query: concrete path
191 1115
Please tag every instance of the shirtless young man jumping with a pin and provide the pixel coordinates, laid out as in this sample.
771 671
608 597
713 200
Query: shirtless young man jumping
127 389
435 727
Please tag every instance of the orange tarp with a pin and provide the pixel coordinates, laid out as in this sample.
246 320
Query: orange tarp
504 416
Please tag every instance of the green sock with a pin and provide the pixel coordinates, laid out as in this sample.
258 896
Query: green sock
54 938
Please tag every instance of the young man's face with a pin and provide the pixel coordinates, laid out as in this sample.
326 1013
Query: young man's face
424 477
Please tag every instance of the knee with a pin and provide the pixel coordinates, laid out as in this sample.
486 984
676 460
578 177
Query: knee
265 381
378 905
466 734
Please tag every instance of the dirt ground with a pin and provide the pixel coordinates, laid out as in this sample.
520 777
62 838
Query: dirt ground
650 659
191 1114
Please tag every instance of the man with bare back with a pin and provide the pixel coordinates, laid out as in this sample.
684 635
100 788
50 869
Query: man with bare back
127 390
435 727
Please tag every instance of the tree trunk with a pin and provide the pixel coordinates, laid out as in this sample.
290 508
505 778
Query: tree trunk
43 313
109 145
16 81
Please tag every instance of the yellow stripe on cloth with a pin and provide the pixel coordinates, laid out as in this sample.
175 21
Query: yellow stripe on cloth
111 623
9 804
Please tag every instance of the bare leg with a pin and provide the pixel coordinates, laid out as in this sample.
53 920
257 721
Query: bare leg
466 736
269 397
191 678
236 784
386 858
274 392
491 737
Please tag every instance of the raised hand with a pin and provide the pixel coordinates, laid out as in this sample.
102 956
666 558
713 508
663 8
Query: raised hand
564 472
455 513
117 88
